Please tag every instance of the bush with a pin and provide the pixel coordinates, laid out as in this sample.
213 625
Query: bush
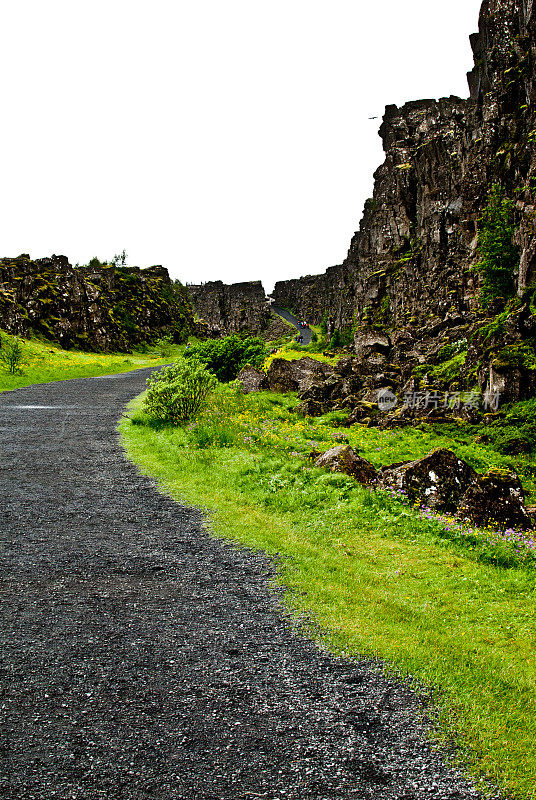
226 357
336 340
177 393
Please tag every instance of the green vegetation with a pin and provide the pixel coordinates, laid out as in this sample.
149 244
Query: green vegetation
513 433
444 373
291 351
342 337
164 345
372 575
178 392
43 361
11 355
226 357
498 254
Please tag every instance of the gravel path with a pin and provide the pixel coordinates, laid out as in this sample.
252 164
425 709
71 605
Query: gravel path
143 659
305 332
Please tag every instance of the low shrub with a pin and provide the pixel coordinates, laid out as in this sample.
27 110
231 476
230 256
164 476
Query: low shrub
177 393
226 357
164 345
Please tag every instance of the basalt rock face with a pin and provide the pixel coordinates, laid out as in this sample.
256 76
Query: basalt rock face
410 270
110 308
329 297
235 308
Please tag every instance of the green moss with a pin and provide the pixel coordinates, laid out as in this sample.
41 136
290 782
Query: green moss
495 474
520 356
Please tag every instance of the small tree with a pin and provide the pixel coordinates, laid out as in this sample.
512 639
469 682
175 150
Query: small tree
164 344
498 254
120 259
179 392
12 356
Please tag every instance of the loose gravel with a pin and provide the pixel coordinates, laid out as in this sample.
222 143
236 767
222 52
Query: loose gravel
142 658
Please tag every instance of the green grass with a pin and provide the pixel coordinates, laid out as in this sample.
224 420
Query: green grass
44 361
371 575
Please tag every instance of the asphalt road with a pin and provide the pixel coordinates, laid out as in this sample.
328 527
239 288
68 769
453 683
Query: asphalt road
140 658
305 332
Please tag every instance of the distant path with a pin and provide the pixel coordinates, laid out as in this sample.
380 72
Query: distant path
305 332
140 658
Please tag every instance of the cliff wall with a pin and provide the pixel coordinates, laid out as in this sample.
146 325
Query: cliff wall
235 308
411 259
111 308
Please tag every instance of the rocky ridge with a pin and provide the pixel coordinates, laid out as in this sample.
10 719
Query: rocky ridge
410 290
227 309
108 308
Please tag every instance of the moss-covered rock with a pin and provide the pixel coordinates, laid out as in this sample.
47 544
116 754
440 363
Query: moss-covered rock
100 308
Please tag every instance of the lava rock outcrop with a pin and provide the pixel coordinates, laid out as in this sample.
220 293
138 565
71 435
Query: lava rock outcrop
107 308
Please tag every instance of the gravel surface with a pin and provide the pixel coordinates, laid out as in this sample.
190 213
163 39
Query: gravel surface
143 659
305 332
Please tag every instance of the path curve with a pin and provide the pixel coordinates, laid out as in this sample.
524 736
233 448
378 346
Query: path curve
305 332
143 659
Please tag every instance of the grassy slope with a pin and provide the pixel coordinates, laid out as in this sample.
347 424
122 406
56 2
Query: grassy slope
44 361
373 577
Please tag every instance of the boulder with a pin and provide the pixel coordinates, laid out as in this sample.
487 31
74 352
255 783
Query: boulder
345 367
281 377
344 459
352 384
369 342
291 376
319 392
360 410
438 480
252 379
505 383
310 408
496 497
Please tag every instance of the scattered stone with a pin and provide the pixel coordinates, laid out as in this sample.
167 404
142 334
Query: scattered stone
344 459
360 411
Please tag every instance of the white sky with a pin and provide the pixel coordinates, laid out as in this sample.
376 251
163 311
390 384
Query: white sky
224 139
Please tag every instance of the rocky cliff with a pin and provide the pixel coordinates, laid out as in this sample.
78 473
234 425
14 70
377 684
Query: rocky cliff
411 271
235 308
109 308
